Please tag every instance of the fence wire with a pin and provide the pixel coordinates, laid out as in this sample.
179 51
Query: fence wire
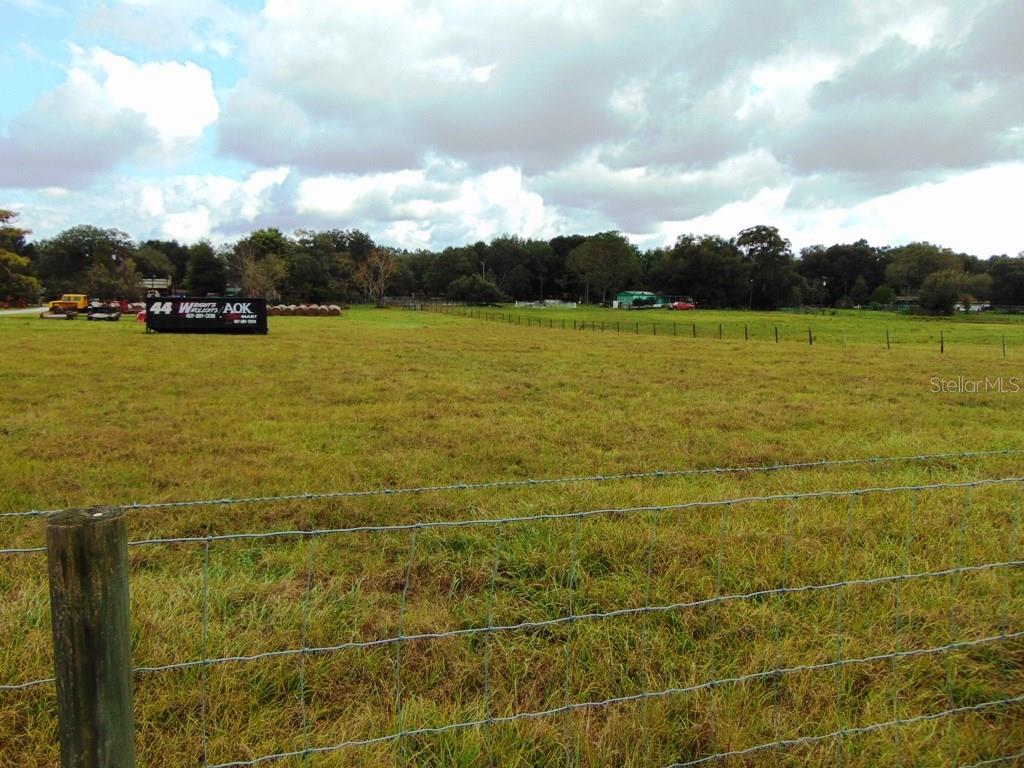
1009 630
531 482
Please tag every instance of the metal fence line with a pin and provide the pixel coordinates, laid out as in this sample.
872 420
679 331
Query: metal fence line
551 516
664 693
860 729
505 484
828 658
558 621
996 760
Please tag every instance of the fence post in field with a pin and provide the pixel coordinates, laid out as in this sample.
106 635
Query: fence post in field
810 338
654 329
695 330
942 342
746 333
719 331
638 328
776 334
674 329
1004 346
87 562
887 344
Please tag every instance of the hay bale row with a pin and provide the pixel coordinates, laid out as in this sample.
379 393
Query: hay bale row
304 310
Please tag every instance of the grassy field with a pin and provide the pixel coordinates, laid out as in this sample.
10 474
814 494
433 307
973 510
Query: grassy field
104 413
830 327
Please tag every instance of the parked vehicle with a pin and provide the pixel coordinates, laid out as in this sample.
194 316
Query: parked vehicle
109 312
75 301
59 313
683 304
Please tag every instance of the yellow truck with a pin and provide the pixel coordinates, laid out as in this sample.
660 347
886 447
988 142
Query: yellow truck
75 301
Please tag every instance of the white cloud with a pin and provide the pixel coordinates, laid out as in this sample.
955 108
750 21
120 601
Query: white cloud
176 99
413 207
975 212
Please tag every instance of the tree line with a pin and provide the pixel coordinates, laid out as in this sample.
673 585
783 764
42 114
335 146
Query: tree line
756 269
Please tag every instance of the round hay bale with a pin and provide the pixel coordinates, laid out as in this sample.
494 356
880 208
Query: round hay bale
322 310
300 310
334 310
287 310
272 310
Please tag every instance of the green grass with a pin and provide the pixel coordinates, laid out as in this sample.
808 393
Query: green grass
106 413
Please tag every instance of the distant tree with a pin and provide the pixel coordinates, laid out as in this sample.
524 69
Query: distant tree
374 273
859 292
774 281
152 262
711 269
606 262
113 280
837 268
475 289
16 278
65 258
884 295
176 253
206 272
942 290
447 266
263 278
1007 273
403 282
910 264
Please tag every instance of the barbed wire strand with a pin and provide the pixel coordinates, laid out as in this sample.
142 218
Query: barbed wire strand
553 622
667 692
996 760
485 521
858 730
505 484
547 516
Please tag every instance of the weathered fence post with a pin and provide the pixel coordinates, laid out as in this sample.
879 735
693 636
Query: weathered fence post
87 560
887 344
776 334
810 338
942 342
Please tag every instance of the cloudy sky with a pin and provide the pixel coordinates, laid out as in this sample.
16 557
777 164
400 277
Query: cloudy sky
436 123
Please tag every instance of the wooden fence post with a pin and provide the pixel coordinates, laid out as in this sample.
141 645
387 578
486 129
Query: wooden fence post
87 561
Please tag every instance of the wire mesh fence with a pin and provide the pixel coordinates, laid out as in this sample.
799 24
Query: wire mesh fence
867 626
1003 338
